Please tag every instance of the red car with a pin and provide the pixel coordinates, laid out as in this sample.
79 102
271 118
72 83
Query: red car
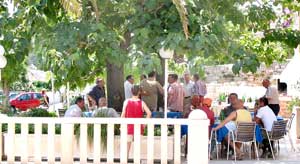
26 100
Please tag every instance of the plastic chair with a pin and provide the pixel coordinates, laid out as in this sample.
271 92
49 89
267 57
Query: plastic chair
213 137
278 131
245 133
288 128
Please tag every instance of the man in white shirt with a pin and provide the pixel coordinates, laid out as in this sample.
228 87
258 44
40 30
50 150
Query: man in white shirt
76 109
188 86
265 115
127 86
272 96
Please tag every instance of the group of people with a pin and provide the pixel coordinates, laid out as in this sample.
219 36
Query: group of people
179 95
265 112
141 100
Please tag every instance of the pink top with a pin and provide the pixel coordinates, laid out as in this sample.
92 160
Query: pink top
133 109
175 97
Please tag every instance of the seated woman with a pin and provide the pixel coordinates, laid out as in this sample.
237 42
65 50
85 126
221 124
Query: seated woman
230 122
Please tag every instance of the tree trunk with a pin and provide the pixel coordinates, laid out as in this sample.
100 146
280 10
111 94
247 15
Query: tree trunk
115 86
115 78
5 87
161 80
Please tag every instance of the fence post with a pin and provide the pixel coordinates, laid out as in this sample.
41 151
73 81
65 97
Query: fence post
67 131
197 138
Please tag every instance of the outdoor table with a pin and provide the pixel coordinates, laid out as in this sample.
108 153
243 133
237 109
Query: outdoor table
169 114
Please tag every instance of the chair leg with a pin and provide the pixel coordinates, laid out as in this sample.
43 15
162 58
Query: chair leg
270 145
250 150
234 151
228 144
256 150
217 146
209 149
291 142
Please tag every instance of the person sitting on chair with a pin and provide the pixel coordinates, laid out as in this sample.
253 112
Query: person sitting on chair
230 122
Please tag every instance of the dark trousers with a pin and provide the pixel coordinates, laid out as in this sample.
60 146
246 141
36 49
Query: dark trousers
275 108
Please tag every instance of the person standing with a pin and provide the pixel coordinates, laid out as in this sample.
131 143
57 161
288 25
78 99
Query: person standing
134 107
199 87
76 109
272 96
175 94
188 86
150 88
98 90
128 86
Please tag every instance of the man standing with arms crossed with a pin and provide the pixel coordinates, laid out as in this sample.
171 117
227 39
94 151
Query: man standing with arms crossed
272 96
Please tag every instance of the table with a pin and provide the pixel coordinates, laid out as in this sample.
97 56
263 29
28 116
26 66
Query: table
169 115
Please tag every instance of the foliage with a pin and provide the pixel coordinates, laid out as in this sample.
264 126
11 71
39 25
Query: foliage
37 112
103 131
293 103
34 113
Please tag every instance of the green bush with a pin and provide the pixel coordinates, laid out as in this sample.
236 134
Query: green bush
294 102
37 112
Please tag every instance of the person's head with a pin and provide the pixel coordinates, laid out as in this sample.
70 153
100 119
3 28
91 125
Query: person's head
102 102
232 98
91 99
80 102
143 76
207 102
239 104
196 102
100 82
135 90
266 83
196 77
263 101
187 76
130 79
151 74
172 78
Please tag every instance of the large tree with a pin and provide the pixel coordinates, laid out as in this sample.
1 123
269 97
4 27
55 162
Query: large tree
79 40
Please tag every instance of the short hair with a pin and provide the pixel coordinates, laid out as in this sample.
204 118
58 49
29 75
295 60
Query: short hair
233 94
196 76
135 90
78 100
152 74
98 80
128 77
264 100
174 76
144 76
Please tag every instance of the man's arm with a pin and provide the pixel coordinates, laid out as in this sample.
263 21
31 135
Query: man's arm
160 88
231 117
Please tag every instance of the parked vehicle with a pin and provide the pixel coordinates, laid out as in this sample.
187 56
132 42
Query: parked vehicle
26 100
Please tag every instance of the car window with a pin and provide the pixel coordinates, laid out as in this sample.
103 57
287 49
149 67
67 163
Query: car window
25 97
37 96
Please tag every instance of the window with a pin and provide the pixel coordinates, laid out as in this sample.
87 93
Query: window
25 97
37 96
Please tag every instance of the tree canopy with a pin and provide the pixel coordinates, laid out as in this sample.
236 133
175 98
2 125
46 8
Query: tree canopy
75 39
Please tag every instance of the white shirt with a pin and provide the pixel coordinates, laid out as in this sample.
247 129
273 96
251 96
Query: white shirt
272 95
188 88
127 89
105 112
267 116
73 111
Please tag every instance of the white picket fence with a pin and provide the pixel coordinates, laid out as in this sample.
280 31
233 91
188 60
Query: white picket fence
197 140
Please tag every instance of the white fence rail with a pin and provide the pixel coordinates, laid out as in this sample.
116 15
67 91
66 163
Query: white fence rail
63 147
